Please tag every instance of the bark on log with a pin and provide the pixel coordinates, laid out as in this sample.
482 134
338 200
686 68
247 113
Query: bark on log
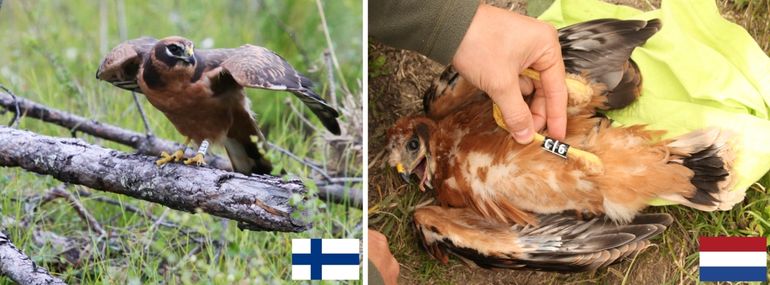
144 144
255 202
20 268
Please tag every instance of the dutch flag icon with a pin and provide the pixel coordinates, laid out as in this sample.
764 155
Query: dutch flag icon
733 259
325 259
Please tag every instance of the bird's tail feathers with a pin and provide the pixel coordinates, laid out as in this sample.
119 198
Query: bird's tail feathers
710 154
243 152
246 158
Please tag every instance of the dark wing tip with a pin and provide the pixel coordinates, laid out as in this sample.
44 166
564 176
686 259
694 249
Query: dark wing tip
326 113
332 125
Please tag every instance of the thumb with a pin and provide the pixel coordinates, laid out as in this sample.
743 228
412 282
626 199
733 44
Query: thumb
516 114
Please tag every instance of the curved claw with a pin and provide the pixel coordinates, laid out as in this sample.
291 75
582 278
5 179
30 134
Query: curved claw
197 160
166 158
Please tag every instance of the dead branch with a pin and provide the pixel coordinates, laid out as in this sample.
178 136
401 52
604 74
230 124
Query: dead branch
143 144
337 193
148 145
91 222
257 202
20 268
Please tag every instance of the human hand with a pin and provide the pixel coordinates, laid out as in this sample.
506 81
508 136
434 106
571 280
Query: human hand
498 45
382 258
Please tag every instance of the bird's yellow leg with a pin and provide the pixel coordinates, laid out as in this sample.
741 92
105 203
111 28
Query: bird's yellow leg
198 159
176 156
591 163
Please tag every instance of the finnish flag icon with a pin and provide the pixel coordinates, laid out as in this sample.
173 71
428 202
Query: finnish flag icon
325 259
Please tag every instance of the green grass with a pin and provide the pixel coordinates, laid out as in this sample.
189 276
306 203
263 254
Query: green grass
51 50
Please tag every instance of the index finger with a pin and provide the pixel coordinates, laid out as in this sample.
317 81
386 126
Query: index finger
554 84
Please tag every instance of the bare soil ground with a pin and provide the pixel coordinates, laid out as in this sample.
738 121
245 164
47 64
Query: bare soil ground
397 80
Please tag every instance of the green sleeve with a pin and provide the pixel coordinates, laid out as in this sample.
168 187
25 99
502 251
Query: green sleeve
431 27
375 278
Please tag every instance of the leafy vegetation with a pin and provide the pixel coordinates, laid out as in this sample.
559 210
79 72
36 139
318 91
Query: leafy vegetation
51 49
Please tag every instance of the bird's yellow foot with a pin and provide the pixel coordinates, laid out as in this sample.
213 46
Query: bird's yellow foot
197 159
166 158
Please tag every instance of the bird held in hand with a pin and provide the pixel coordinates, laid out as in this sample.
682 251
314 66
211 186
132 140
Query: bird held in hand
457 148
502 204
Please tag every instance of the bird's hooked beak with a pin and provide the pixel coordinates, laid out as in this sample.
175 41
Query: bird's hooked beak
402 172
189 55
421 169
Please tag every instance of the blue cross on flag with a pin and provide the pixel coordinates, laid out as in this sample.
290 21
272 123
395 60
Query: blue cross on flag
325 259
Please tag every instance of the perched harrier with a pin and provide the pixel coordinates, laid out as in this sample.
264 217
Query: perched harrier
458 150
201 92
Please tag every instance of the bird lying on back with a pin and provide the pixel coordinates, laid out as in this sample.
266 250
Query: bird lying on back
458 150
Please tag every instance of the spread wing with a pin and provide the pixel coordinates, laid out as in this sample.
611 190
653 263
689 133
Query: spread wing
121 66
258 67
601 50
560 242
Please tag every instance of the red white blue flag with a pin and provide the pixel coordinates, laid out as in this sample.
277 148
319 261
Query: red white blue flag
733 259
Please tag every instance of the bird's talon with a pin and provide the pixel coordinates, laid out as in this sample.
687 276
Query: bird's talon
178 155
197 159
166 158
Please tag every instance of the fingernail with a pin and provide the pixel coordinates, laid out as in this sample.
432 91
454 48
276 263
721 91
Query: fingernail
524 136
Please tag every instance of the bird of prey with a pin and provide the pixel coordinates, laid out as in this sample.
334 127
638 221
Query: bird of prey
560 242
201 92
457 149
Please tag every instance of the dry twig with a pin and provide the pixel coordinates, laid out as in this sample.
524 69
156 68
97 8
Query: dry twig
61 192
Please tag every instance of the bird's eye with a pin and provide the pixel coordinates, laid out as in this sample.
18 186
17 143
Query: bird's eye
413 144
175 49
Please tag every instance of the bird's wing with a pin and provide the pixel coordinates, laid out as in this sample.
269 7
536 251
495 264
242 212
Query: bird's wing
257 67
560 242
121 66
601 51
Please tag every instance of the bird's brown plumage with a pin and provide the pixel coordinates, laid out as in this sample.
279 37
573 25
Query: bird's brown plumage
202 94
473 164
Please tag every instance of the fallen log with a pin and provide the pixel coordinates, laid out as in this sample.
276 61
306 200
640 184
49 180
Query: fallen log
257 202
148 145
20 268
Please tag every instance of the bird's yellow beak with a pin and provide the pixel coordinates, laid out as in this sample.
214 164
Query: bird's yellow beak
402 171
188 52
